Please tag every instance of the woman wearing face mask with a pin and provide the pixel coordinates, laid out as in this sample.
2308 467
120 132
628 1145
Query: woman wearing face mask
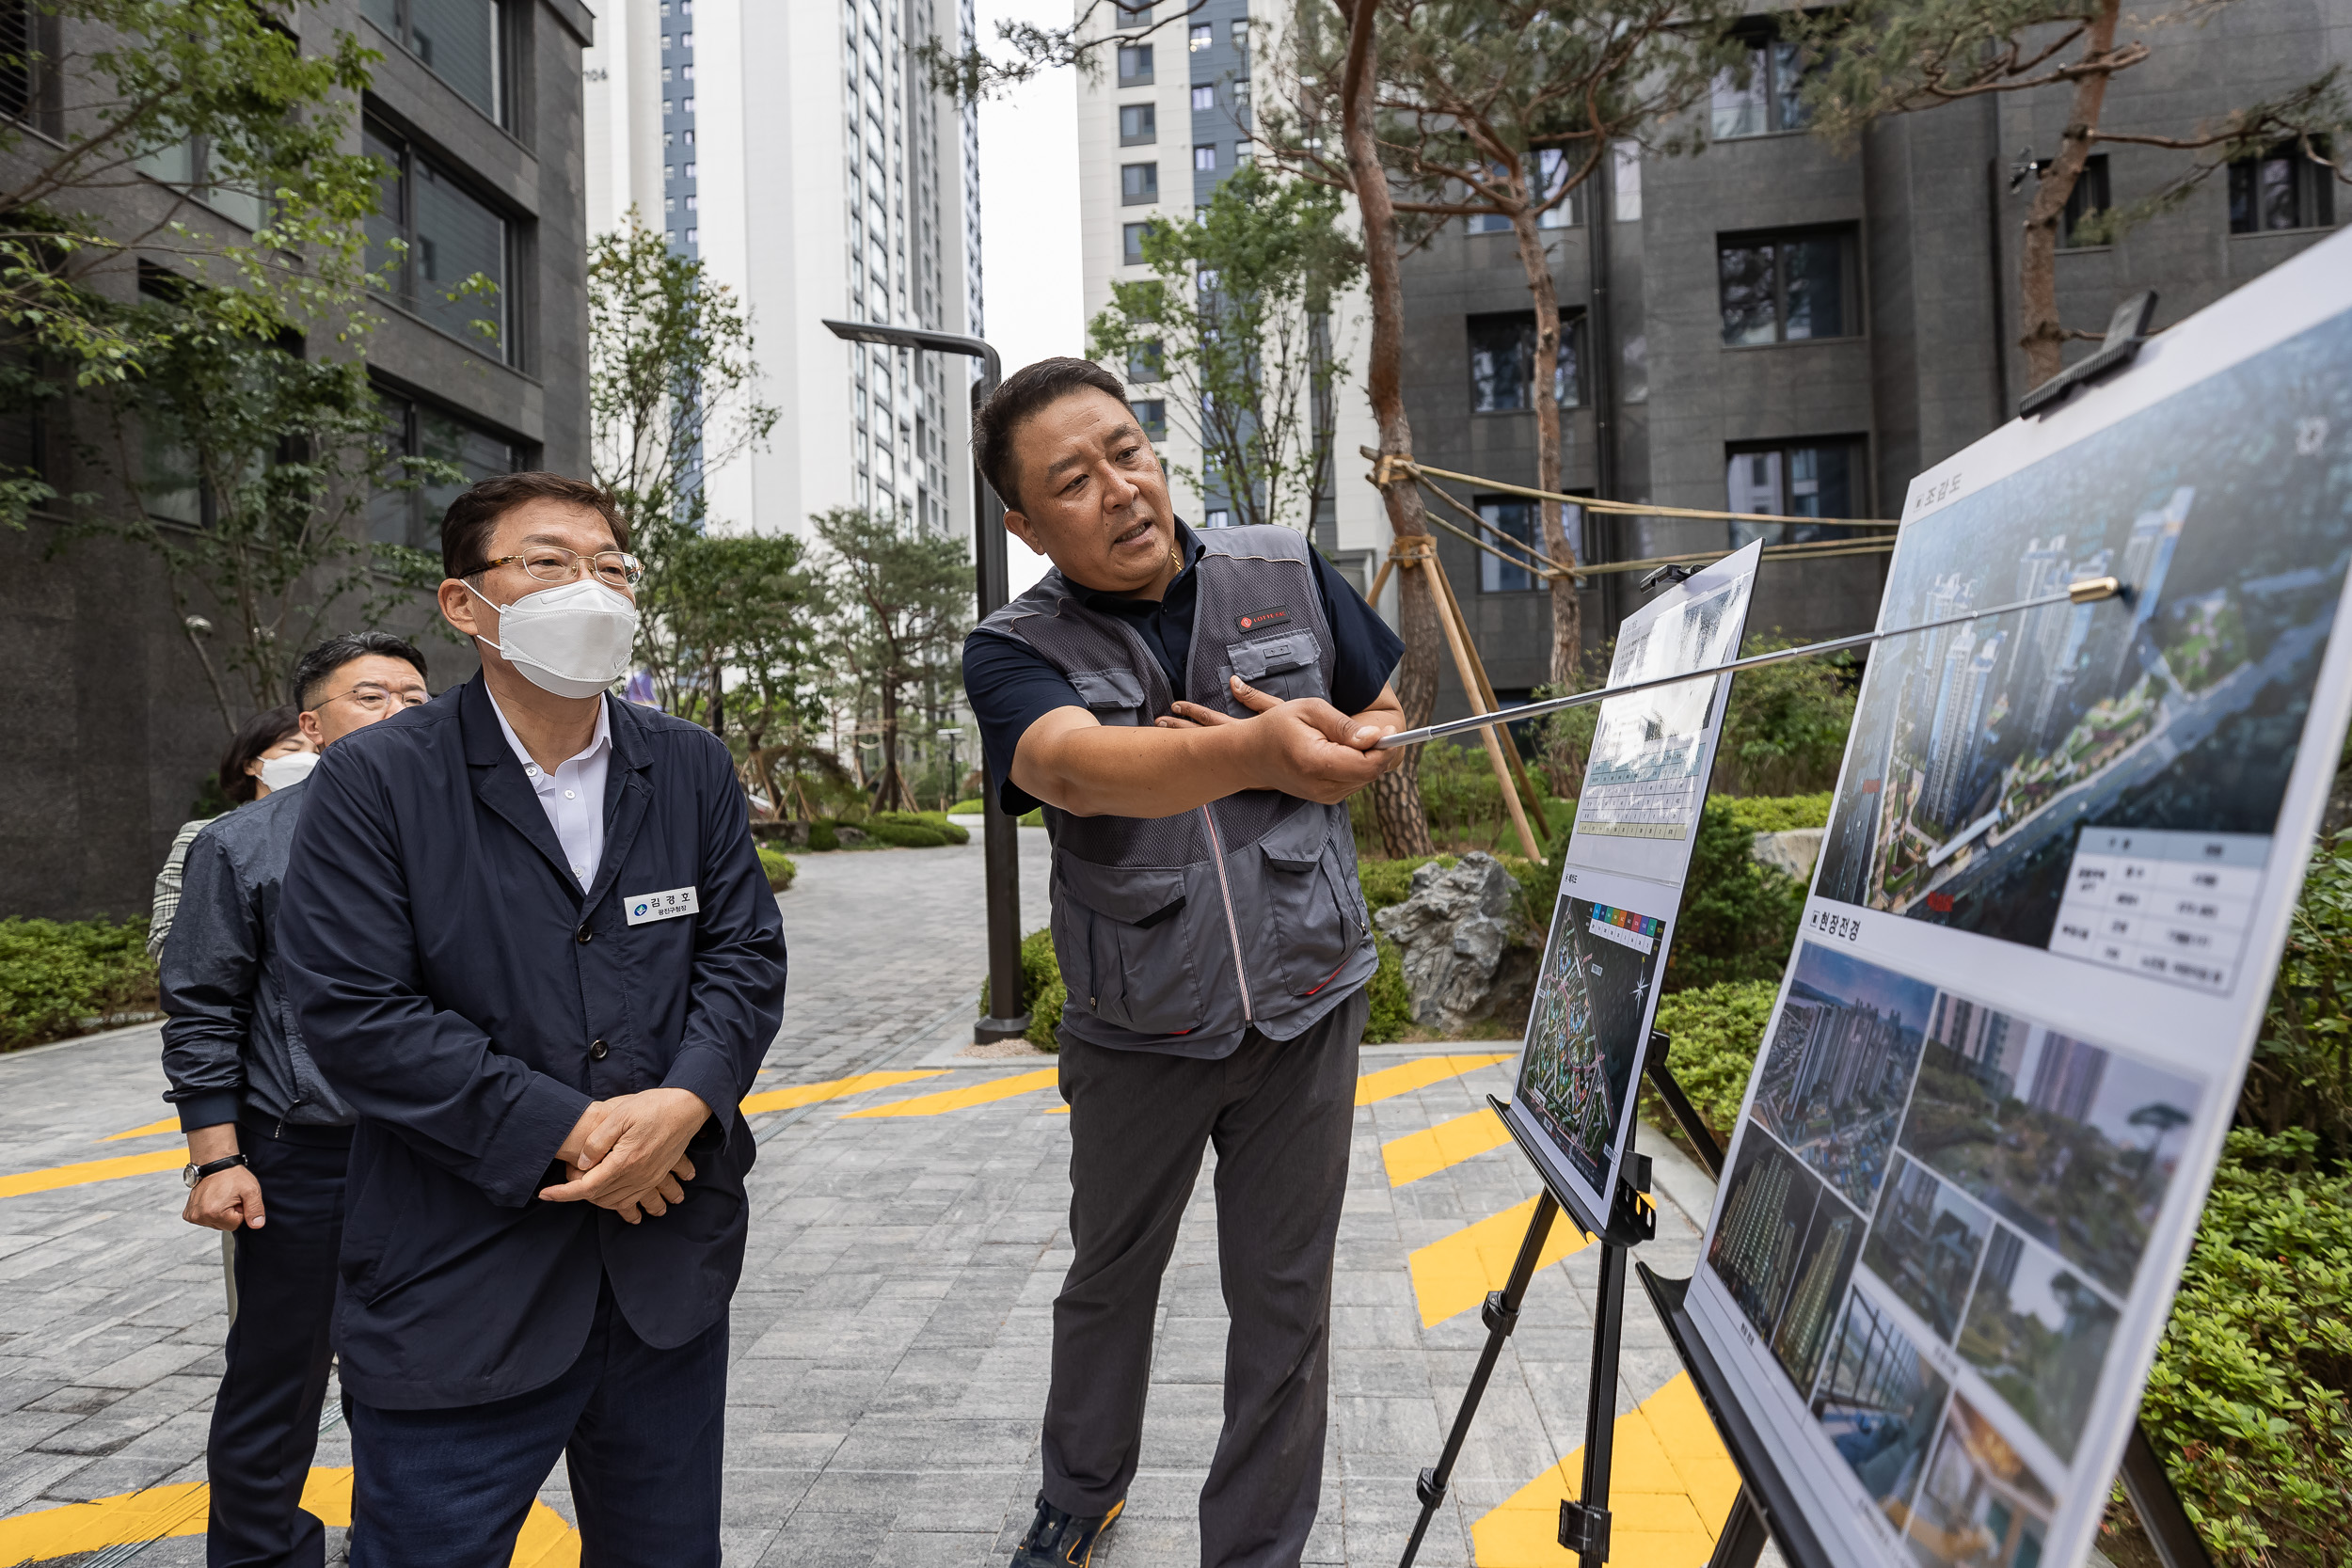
268 752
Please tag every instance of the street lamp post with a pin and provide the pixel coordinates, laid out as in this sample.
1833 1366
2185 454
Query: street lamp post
955 780
1002 852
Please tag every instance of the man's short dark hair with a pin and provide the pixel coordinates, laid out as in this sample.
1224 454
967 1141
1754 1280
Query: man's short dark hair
473 517
1026 392
315 668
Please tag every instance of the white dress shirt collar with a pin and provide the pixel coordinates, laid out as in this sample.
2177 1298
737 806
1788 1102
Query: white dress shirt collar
572 794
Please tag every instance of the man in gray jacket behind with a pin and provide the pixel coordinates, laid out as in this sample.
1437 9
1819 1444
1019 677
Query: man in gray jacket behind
268 1139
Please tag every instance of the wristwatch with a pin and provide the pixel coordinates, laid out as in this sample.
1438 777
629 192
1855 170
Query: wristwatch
194 1173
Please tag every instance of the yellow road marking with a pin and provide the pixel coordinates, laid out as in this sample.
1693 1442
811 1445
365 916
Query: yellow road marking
957 1099
835 1088
92 1171
1671 1486
1419 1073
163 1511
1432 1149
1453 1273
169 1124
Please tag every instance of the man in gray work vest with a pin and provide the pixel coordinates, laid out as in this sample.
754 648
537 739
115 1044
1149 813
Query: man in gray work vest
1189 709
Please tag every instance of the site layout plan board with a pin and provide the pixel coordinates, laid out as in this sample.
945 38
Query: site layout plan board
2057 875
1621 878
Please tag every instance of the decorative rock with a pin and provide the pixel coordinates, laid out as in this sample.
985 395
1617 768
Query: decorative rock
1793 851
1453 932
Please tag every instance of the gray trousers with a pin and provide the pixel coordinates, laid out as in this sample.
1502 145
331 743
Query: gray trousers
1280 1112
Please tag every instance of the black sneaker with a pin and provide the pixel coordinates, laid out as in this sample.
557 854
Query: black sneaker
1058 1539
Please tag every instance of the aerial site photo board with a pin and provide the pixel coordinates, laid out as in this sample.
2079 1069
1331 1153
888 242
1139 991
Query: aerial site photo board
1621 881
2064 849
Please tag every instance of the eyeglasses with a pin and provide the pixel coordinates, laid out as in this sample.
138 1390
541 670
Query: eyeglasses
368 697
554 563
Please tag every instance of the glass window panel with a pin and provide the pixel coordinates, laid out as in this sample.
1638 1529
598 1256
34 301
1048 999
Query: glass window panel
1204 35
1135 64
1139 122
1131 243
1502 362
1143 362
1568 377
173 490
1820 485
391 509
1816 284
1204 158
175 164
1750 310
1515 519
1752 483
1151 414
1738 105
478 455
390 216
458 40
456 238
1205 95
1138 183
384 14
1789 111
1551 167
2279 209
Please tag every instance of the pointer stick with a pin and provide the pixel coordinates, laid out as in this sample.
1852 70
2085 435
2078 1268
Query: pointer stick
2089 591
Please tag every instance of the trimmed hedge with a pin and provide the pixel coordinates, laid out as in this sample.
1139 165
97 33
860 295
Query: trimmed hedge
1041 976
779 867
56 975
968 808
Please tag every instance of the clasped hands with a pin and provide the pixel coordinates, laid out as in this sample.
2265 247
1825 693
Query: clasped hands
1316 751
628 1153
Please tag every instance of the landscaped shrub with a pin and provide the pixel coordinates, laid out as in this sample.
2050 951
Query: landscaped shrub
1392 1000
54 975
822 837
906 835
968 808
1739 919
952 832
779 867
1041 976
1715 1033
2301 1074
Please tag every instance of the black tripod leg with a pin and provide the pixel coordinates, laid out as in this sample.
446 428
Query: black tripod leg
1502 1313
1741 1543
2161 1515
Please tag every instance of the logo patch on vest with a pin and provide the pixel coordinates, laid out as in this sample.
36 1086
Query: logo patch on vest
1258 620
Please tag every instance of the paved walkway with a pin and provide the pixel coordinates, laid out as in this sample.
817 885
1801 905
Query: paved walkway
892 1332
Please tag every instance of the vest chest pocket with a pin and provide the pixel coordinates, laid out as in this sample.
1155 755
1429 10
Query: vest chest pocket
1126 935
1113 696
1313 925
1285 667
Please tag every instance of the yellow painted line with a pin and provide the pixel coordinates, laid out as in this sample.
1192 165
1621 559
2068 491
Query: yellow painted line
957 1099
92 1171
833 1088
1671 1486
163 1511
1419 1073
1453 1273
169 1124
1432 1149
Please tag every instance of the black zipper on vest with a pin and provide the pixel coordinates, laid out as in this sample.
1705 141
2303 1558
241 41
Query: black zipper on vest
1233 927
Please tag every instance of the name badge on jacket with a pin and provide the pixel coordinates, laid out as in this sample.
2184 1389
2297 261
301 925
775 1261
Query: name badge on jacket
646 908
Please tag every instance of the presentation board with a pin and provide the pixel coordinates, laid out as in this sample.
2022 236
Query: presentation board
2064 849
1621 878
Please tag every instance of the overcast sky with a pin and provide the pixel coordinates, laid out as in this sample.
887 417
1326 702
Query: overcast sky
1031 280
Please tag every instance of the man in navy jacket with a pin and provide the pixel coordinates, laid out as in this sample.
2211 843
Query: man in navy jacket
529 942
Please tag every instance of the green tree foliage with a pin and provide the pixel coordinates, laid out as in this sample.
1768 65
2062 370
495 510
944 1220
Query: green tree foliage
249 468
967 73
54 975
1782 733
1897 57
219 140
1235 320
901 600
2301 1075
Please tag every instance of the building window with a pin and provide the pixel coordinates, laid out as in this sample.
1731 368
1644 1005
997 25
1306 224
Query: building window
1516 518
1502 362
1203 36
1204 158
1139 184
461 41
1551 169
2284 188
1143 363
1134 65
1203 97
456 270
1817 479
1131 15
408 511
1765 99
2088 200
1151 414
1239 29
1131 244
1784 288
1138 123
186 166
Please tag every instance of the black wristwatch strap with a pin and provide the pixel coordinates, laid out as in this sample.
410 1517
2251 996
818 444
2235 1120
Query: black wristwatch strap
213 1167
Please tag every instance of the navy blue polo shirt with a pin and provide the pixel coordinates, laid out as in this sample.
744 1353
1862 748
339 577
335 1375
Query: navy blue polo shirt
1012 685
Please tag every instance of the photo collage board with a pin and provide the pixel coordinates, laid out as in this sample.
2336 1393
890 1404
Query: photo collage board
2064 849
1621 878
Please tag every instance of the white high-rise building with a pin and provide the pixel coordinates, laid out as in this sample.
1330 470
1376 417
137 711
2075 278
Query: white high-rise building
798 150
1160 126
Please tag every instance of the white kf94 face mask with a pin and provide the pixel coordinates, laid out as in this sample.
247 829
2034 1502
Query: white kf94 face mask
282 772
573 640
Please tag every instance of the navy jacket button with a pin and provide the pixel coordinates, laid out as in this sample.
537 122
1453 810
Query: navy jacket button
598 1051
584 933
